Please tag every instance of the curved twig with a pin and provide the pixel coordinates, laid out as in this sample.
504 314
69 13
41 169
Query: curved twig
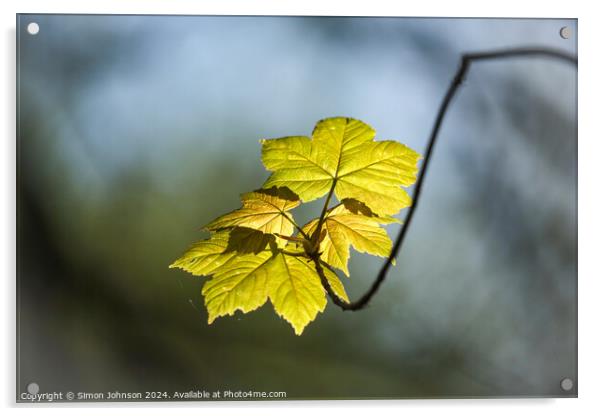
457 80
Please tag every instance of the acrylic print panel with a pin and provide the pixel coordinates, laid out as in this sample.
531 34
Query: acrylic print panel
136 132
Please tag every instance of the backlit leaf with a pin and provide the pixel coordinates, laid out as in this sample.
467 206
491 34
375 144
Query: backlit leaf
344 228
295 290
247 240
241 284
359 208
263 210
206 256
333 279
335 283
343 151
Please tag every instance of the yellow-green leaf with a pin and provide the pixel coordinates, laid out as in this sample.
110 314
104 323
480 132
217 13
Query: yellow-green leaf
359 208
295 290
344 228
241 284
263 210
343 151
335 283
205 257
247 240
245 271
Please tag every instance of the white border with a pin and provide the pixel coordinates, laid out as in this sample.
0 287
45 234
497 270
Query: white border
590 207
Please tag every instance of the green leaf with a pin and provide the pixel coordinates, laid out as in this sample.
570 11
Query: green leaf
243 278
335 283
247 240
241 284
205 257
237 260
263 210
356 207
344 228
343 151
295 291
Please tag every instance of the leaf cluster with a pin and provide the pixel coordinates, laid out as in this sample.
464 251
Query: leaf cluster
259 253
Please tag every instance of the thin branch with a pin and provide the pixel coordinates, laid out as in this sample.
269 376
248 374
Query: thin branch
457 80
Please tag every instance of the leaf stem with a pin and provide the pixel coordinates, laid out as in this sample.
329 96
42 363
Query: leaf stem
333 207
303 233
316 234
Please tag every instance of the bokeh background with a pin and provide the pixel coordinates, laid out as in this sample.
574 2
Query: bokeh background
135 131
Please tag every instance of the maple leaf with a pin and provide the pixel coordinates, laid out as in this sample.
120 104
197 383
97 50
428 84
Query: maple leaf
206 256
240 277
351 223
240 284
342 152
263 210
296 292
237 259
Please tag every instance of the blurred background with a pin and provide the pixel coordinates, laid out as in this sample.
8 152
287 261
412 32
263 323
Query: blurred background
135 131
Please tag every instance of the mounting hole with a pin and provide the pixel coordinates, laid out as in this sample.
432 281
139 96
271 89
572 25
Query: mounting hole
565 32
33 28
33 388
566 384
